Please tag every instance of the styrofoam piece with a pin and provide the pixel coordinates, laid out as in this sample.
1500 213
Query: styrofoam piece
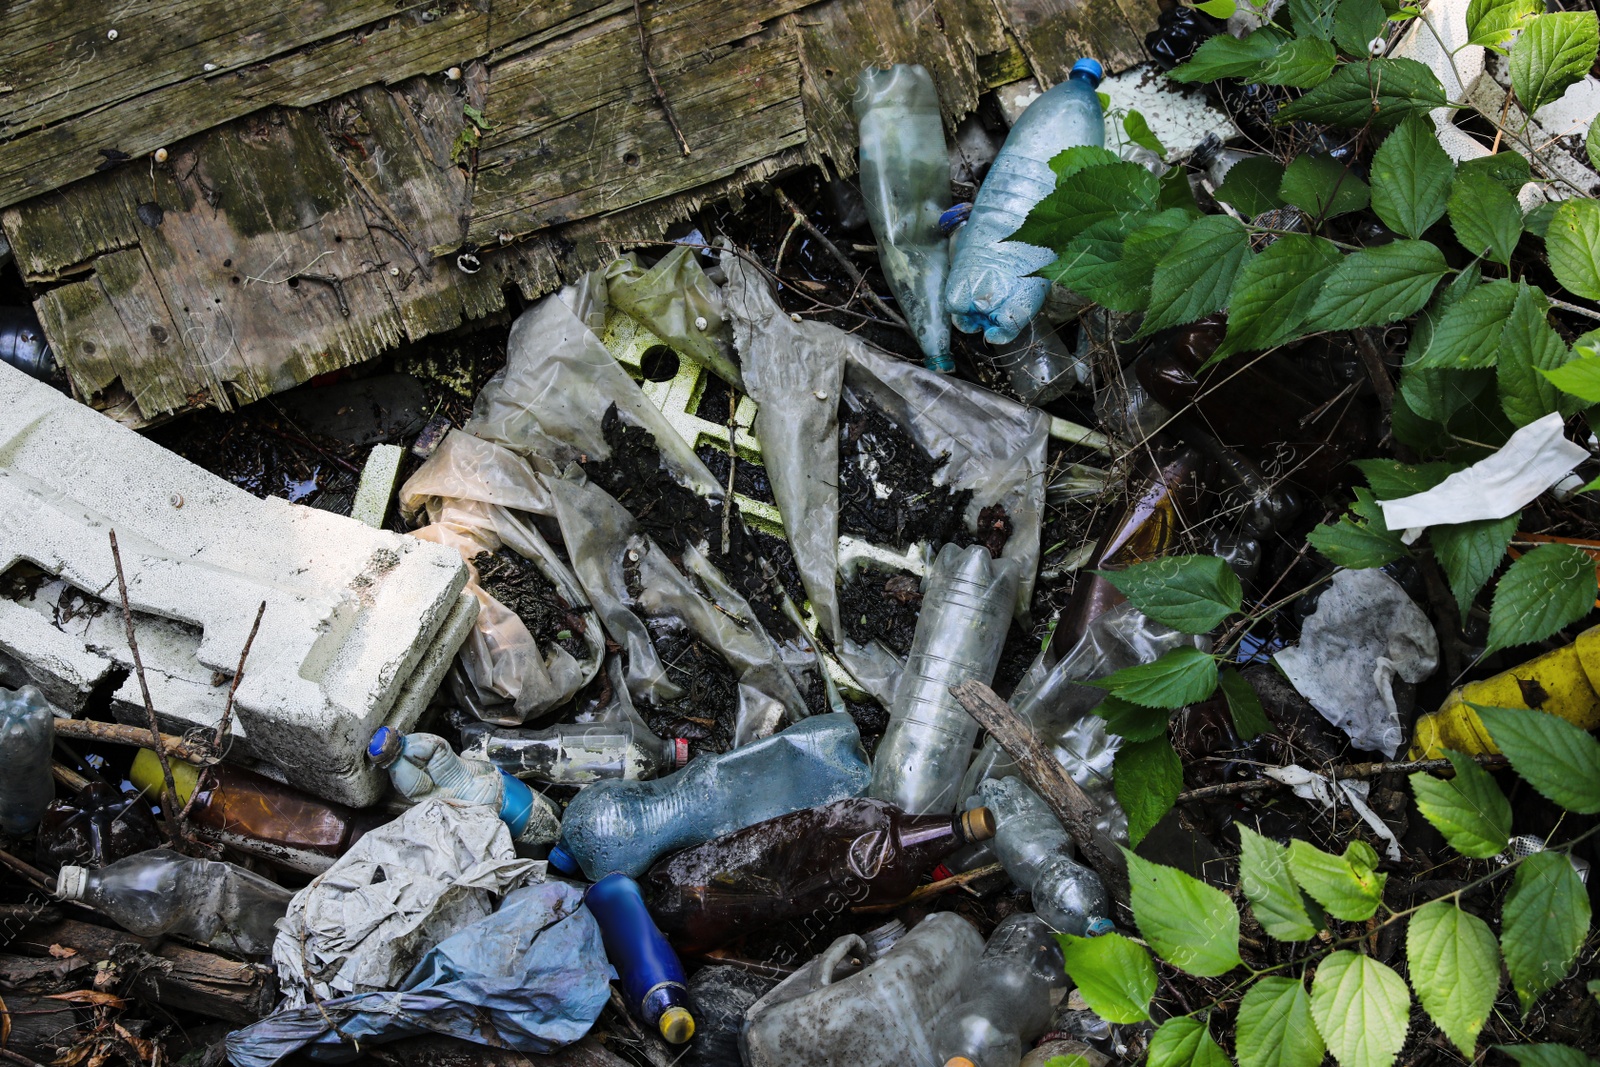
1015 98
62 668
376 489
1181 118
351 611
1571 115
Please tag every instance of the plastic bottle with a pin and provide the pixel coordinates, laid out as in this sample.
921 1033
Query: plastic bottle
625 826
27 733
881 1016
256 815
905 180
1007 998
719 996
576 753
990 289
97 826
1037 855
162 892
1038 365
809 865
967 601
422 766
653 982
23 344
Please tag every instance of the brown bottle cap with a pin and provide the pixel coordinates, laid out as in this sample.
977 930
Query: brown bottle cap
977 824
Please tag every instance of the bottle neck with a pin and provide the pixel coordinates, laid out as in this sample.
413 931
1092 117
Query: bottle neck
930 832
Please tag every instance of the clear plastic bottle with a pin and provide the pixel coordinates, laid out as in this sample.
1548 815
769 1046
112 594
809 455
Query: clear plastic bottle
625 826
653 982
27 732
967 601
990 288
905 179
423 765
576 753
1007 999
1038 856
23 344
1038 365
163 892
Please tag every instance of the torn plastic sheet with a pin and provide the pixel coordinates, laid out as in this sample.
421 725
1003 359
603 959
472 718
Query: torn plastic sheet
531 977
795 372
1365 633
399 891
1534 459
677 302
1308 785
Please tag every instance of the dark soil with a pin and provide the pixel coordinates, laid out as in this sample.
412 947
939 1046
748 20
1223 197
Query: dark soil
707 711
1016 656
875 454
883 606
994 530
521 586
749 479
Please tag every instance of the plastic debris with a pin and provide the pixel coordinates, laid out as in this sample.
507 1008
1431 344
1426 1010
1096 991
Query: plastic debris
423 766
27 731
653 982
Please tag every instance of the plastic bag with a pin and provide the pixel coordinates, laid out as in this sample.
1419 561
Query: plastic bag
677 302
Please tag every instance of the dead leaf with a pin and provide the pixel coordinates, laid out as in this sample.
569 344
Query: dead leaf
90 996
62 952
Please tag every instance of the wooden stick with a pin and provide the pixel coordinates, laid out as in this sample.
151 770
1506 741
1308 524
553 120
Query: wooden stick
68 777
169 802
849 268
655 82
933 889
39 879
115 733
1351 770
221 734
1050 780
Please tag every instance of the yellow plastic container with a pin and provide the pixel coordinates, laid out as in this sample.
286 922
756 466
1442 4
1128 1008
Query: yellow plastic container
1565 682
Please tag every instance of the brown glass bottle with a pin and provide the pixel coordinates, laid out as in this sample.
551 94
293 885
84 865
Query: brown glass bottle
254 814
809 866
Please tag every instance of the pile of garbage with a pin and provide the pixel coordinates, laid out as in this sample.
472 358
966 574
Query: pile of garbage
723 678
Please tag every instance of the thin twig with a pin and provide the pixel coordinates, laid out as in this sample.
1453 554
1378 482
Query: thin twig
1353 770
849 268
733 465
115 733
655 82
933 889
221 733
28 871
170 799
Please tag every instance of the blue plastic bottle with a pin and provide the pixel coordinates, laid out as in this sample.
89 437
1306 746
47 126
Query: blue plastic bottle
27 732
989 289
422 766
653 982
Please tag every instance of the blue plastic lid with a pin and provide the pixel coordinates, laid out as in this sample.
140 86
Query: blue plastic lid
1089 68
1099 924
380 740
952 217
562 861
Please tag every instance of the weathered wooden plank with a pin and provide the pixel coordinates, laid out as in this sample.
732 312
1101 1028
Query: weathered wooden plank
1057 33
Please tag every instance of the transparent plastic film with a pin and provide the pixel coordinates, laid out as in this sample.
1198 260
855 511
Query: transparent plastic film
677 302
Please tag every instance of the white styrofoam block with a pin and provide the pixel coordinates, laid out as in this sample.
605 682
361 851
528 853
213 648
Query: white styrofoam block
1180 116
376 488
351 611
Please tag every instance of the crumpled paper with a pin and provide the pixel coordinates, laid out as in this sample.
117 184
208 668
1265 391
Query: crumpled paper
1309 785
361 925
1365 633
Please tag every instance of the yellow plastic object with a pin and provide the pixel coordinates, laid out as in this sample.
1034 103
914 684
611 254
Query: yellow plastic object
145 774
1565 682
677 1025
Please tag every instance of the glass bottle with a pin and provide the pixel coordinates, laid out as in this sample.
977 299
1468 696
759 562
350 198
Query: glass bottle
27 733
1038 857
653 982
576 753
423 765
1007 999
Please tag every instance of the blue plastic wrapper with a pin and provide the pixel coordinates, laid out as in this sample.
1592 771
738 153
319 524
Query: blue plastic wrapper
531 977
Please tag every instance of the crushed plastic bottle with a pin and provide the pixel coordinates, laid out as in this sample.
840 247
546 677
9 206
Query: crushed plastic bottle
1038 856
625 826
97 826
27 733
653 983
576 753
968 597
905 180
161 892
1007 998
719 996
423 766
1038 365
808 865
23 344
991 289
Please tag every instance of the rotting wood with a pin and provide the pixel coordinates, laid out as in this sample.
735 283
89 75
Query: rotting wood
37 1027
117 734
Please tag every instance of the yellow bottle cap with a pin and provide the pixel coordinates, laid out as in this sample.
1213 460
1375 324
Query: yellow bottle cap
677 1025
959 1061
145 774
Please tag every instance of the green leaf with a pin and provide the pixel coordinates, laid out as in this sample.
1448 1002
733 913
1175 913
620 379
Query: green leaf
1485 218
1114 976
1275 1028
1073 1060
1469 809
1546 589
1362 1009
1181 676
1537 221
1188 923
1543 923
1573 245
1219 9
1085 197
1454 964
1133 722
1226 56
1081 157
1113 260
1591 144
1275 291
1470 552
1560 760
1391 479
1355 23
1251 185
1579 377
1347 886
1312 18
1380 91
1183 1041
1528 345
1249 720
1322 187
1192 280
1553 52
1188 593
1138 131
1147 777
1360 540
1510 169
1378 285
1274 897
1303 63
1411 178
1468 333
1549 1055
1492 22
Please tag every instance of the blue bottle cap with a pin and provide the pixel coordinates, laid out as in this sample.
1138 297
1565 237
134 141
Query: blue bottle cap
1089 68
562 861
952 217
384 748
1099 924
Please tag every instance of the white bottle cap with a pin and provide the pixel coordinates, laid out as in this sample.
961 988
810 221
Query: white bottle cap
72 882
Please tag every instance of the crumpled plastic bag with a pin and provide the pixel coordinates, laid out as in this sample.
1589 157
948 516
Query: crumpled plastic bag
399 891
1365 633
532 977
677 302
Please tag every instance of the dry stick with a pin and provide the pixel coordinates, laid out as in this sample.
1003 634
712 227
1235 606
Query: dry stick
115 733
227 712
68 777
733 465
28 871
933 889
169 801
849 267
1353 770
1075 811
653 1047
655 82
